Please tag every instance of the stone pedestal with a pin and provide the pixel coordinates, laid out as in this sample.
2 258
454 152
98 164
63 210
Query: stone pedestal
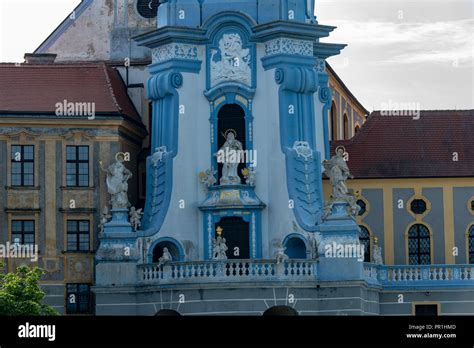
119 223
341 255
118 253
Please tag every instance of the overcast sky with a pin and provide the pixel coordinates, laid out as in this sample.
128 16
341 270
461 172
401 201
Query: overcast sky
399 51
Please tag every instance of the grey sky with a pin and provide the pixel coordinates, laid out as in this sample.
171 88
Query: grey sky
417 51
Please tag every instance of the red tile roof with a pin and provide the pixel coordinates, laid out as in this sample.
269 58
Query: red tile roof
401 147
33 88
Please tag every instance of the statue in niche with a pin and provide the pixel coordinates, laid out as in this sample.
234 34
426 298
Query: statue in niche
338 172
231 62
117 183
165 258
135 218
104 218
219 246
230 156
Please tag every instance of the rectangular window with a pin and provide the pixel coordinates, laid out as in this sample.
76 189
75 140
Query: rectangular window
426 310
77 166
78 299
23 164
23 231
78 235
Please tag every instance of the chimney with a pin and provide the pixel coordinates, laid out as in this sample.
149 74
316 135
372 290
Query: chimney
40 58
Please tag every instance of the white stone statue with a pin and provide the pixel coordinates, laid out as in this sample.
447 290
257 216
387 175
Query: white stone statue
338 172
165 258
135 218
219 248
313 245
229 155
231 62
208 177
117 186
280 255
250 175
104 218
377 253
158 155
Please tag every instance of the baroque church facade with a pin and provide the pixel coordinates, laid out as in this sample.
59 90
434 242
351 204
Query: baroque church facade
174 87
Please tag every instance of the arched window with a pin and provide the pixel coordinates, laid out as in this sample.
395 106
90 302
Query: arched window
362 206
364 238
333 122
419 248
295 248
356 129
231 117
470 243
346 127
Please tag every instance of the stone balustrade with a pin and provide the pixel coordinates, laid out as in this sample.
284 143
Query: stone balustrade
402 276
420 275
227 271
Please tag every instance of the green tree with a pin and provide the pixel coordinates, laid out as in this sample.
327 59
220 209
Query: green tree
20 293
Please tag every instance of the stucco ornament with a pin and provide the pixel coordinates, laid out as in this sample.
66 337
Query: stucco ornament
250 175
229 155
338 172
208 177
117 183
158 155
231 62
135 218
104 218
167 257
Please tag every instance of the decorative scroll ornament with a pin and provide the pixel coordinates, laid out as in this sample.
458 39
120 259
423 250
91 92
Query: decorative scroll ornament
231 62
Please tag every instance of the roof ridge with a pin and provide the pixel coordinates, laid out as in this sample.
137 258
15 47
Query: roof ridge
109 85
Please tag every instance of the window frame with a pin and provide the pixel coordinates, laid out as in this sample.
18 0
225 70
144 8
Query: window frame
416 202
367 251
77 292
77 162
78 233
470 250
22 231
419 239
22 165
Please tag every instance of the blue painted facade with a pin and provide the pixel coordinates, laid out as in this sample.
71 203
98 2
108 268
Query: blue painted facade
278 77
